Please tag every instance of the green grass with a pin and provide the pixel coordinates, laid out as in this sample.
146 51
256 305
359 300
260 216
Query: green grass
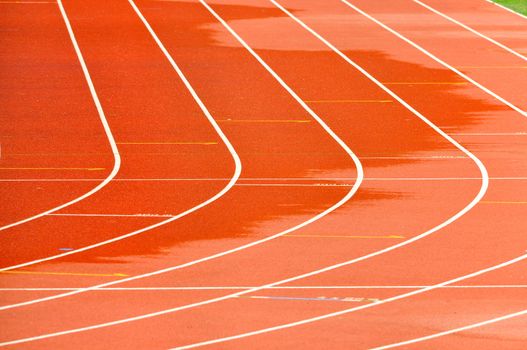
516 5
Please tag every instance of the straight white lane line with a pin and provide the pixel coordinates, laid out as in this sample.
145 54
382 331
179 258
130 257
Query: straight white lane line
230 184
26 2
345 199
511 178
484 186
508 9
155 289
455 330
435 58
508 49
106 126
354 309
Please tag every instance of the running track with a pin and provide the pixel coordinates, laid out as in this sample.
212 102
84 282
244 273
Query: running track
261 174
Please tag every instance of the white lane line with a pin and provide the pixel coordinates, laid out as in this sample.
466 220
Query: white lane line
510 178
354 309
230 184
345 199
107 130
484 186
27 2
126 289
455 330
508 9
508 49
435 58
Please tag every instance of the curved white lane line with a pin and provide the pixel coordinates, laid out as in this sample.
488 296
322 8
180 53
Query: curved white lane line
107 130
435 58
362 307
230 184
508 9
508 49
452 331
480 194
353 190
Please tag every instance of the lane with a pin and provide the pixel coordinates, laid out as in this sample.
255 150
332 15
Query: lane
512 328
222 271
497 70
35 103
515 13
482 322
472 30
502 25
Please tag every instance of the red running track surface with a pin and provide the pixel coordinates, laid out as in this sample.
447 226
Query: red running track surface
378 200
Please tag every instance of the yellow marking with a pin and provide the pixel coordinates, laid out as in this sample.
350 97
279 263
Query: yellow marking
264 120
427 83
27 2
493 67
358 237
167 143
348 101
89 169
503 202
65 273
